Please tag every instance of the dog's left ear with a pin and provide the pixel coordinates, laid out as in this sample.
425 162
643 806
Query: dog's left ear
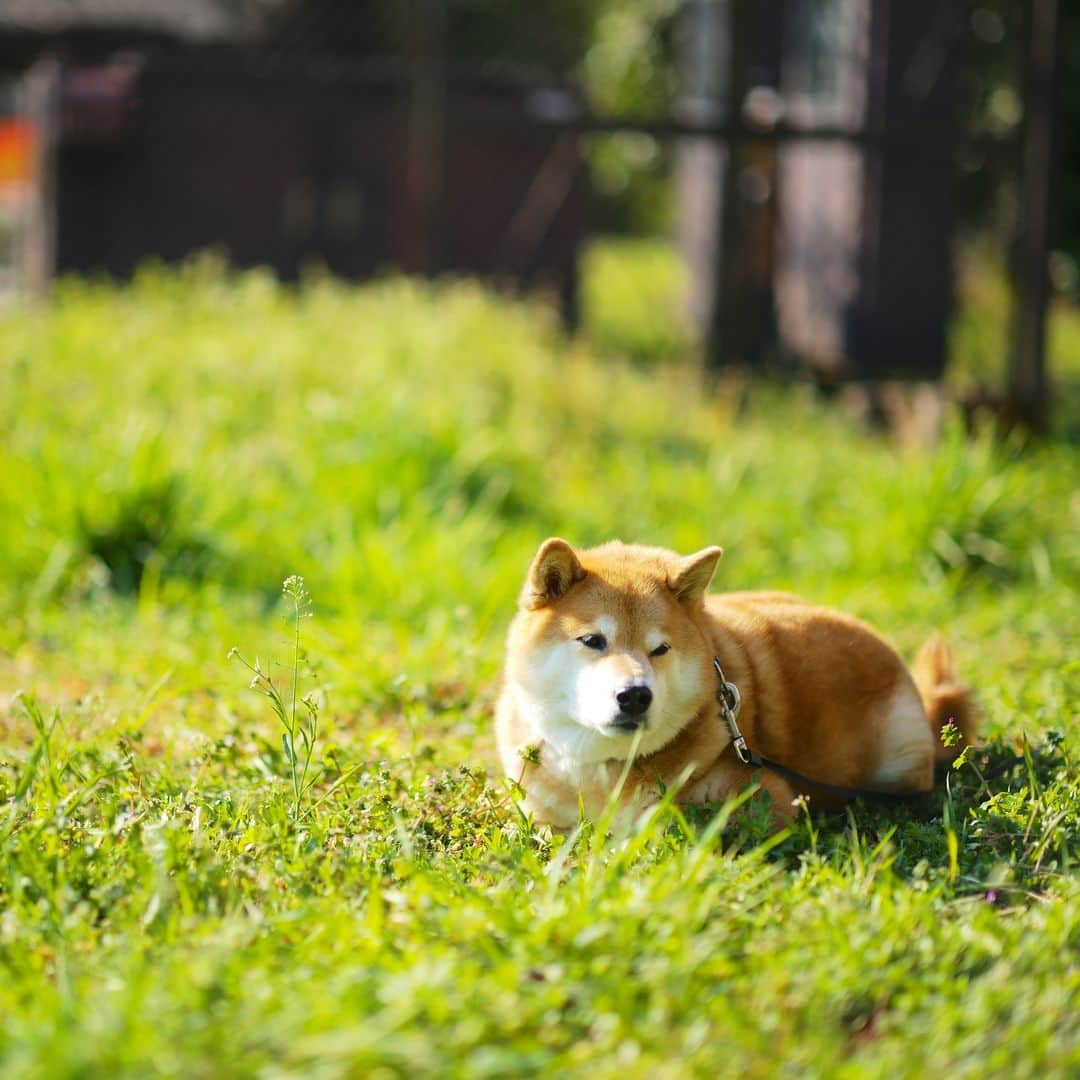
689 577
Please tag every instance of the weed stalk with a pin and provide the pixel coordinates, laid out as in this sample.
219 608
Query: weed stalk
294 727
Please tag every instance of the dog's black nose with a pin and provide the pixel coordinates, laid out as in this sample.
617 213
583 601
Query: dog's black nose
634 700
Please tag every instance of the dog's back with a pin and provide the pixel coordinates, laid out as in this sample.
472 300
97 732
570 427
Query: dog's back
827 692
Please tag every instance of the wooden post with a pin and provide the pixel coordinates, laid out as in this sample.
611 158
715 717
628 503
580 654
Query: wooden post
38 102
426 150
1028 389
722 345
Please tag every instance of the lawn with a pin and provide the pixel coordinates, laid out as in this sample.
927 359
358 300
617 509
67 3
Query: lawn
176 899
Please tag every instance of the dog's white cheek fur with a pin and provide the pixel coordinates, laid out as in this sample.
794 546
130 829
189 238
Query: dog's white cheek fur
682 687
677 698
547 680
545 692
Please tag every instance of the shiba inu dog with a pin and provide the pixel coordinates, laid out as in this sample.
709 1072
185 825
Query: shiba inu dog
611 655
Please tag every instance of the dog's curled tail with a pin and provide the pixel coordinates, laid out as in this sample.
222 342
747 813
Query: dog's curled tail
944 698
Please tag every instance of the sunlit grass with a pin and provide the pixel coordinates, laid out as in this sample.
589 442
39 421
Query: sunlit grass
174 450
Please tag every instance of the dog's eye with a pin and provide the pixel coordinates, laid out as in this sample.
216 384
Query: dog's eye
661 649
593 641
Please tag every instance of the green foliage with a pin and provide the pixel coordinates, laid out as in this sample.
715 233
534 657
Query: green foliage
305 726
633 300
178 896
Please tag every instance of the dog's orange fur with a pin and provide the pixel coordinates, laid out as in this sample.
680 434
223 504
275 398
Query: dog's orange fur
821 692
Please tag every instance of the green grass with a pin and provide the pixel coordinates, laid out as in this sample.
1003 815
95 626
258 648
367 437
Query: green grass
634 299
172 451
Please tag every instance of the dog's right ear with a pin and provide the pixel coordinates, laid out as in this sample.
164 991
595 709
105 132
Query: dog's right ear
554 572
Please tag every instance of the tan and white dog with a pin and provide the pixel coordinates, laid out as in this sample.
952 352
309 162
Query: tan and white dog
611 654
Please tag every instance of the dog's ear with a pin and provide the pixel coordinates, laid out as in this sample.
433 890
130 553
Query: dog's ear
554 572
689 577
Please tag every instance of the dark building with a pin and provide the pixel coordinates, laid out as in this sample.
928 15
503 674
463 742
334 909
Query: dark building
193 125
90 30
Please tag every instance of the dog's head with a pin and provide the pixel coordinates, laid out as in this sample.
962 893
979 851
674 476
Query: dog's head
607 650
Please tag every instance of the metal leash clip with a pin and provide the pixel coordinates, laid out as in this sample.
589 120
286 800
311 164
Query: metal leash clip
727 696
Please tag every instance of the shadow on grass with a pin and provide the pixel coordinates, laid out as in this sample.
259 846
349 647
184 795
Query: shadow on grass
1002 823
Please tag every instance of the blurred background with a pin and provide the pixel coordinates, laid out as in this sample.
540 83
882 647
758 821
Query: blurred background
850 190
